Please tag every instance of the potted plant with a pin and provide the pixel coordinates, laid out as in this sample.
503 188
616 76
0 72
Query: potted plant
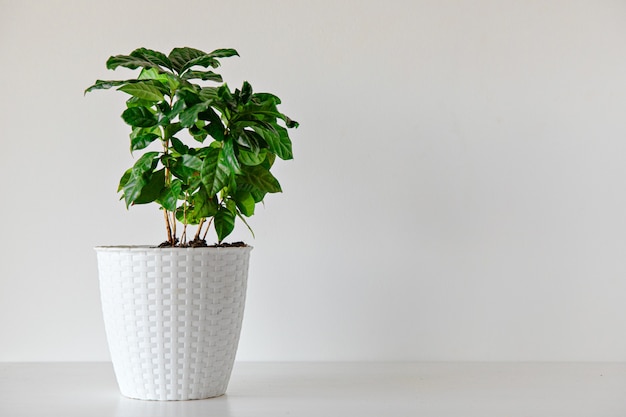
173 311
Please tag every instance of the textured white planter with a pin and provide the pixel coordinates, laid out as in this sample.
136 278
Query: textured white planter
173 318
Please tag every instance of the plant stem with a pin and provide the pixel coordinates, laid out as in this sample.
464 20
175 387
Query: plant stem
207 229
197 236
173 222
168 228
168 180
183 237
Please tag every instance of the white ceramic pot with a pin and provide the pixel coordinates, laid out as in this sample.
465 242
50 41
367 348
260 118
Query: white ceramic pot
173 318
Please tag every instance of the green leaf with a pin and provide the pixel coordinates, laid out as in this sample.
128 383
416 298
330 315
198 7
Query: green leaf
192 162
142 141
228 151
140 175
215 128
246 92
201 61
152 189
265 97
139 117
127 61
215 173
186 167
153 74
146 163
224 53
179 146
169 195
137 102
144 91
203 75
208 93
105 85
198 133
132 188
178 107
261 178
251 140
155 57
245 202
290 123
251 158
256 193
203 206
124 179
190 116
278 143
224 221
170 130
179 57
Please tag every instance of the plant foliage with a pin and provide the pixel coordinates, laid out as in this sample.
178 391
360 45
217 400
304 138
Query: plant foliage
238 135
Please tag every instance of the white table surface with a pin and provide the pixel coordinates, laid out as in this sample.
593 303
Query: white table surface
428 389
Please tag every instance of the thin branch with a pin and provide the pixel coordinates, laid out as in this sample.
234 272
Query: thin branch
183 237
207 228
168 228
173 222
197 236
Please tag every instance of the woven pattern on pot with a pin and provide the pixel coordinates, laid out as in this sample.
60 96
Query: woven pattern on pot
173 318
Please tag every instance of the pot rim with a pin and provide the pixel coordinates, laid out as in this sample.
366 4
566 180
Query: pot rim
132 248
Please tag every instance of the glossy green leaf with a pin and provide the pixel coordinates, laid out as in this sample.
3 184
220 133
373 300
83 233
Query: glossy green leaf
137 102
176 109
155 57
144 91
203 75
203 206
228 151
152 188
265 97
132 188
215 128
170 130
186 167
261 178
179 57
142 141
105 85
191 162
140 175
139 117
251 140
201 61
169 195
251 158
224 222
124 179
245 202
246 92
208 93
179 146
189 116
278 143
224 53
198 133
215 173
257 194
127 61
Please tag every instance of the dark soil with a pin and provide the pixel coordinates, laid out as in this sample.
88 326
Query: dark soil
201 243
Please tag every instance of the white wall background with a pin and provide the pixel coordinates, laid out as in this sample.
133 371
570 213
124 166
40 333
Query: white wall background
458 191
